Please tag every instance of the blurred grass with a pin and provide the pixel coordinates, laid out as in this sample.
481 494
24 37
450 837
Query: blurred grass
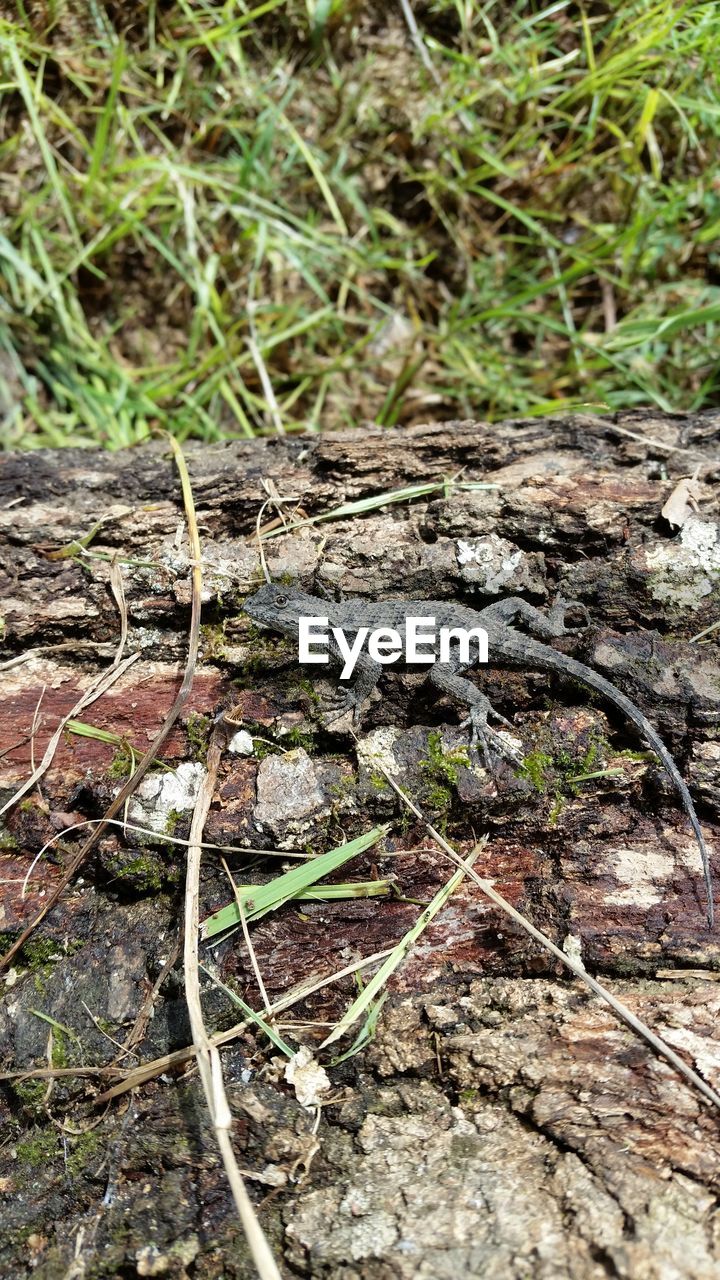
231 220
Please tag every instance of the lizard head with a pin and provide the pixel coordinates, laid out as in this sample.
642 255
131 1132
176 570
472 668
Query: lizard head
280 607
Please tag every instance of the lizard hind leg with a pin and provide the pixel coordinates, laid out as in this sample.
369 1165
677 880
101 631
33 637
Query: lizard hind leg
548 625
490 744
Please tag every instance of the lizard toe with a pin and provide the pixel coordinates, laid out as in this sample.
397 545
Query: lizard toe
492 746
341 709
501 719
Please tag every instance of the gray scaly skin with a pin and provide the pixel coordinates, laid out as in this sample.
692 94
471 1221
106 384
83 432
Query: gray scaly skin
280 607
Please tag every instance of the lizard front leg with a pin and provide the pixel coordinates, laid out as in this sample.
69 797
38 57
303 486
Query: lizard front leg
367 673
447 679
548 625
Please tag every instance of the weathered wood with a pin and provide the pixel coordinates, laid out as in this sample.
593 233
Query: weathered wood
479 1016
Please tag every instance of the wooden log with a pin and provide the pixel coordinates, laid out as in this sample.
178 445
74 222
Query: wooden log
489 1068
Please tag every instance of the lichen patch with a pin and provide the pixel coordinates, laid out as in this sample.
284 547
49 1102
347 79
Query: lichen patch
685 570
161 794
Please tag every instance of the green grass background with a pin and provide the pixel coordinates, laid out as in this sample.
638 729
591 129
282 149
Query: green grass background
234 220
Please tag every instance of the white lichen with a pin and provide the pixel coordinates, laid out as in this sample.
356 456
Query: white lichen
241 743
161 794
685 571
493 565
638 871
376 749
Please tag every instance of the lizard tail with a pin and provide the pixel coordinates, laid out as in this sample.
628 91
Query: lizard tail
546 657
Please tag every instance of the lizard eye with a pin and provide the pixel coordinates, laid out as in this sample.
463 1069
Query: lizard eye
281 601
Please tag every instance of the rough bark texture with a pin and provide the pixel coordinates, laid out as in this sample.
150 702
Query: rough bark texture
501 1123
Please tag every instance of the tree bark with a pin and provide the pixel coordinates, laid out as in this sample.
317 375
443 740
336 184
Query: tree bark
501 1123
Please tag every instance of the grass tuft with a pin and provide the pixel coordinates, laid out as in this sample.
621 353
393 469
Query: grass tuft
229 219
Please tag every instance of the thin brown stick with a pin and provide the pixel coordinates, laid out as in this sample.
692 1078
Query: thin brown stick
137 1031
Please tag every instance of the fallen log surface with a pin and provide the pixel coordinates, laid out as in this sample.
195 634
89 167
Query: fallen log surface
501 1122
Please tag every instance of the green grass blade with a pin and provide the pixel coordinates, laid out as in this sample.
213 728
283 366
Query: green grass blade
377 982
262 898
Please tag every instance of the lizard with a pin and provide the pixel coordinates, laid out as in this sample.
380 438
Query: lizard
281 607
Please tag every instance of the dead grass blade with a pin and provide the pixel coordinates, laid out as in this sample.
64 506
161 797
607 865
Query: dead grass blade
426 60
369 993
118 590
263 1024
162 838
653 442
419 42
42 651
33 730
207 1054
246 936
376 500
701 634
134 1077
261 549
264 376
